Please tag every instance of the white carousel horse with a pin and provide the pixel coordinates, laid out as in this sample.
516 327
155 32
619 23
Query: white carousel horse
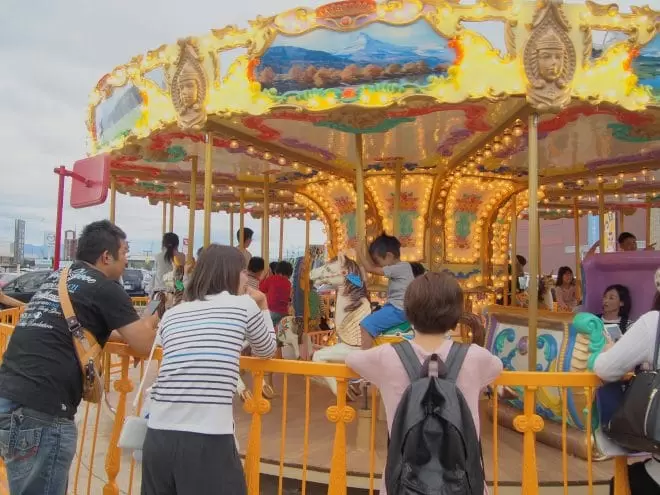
352 305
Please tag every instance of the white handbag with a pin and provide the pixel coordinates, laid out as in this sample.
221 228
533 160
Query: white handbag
134 430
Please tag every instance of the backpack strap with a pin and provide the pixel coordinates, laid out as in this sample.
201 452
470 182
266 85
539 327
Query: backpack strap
455 360
409 359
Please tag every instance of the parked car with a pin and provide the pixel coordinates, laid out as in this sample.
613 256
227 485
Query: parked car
5 278
25 286
133 282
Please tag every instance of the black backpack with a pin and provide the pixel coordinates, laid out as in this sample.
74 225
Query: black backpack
434 447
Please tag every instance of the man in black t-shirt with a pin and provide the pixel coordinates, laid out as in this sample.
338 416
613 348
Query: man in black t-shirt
40 377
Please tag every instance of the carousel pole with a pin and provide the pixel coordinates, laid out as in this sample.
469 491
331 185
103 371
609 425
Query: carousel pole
578 254
113 198
360 219
281 245
533 215
513 257
396 221
307 261
171 225
164 217
265 237
601 214
208 187
192 208
231 226
241 218
648 221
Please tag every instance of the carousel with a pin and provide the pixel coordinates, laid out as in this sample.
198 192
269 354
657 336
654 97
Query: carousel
441 123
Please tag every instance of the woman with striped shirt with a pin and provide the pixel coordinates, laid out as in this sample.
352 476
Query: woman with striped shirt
190 448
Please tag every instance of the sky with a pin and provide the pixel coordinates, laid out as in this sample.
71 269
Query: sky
53 53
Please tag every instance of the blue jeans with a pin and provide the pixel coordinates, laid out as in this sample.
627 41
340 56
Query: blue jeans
382 320
37 449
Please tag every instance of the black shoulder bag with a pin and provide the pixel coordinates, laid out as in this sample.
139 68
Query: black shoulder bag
635 425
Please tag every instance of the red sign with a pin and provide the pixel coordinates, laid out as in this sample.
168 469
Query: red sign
91 177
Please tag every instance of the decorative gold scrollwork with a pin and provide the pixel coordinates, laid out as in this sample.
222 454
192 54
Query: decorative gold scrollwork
345 414
533 423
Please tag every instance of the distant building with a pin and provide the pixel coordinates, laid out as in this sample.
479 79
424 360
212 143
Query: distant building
70 245
19 241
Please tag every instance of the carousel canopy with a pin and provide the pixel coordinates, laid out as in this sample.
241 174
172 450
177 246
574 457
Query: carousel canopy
428 97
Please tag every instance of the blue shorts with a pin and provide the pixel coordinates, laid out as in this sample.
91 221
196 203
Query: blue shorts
387 317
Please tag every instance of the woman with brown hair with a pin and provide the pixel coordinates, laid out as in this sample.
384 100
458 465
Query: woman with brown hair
189 447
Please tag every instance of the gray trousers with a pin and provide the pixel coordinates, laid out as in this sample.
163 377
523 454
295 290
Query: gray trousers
183 463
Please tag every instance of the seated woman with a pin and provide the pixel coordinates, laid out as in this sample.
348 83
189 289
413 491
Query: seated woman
617 305
433 303
167 282
635 348
189 447
565 294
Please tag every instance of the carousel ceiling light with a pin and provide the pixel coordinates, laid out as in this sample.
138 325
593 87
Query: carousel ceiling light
250 150
281 160
497 146
234 144
518 129
488 152
267 156
507 139
644 171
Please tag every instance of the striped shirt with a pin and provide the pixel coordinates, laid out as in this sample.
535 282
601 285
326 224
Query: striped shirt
202 342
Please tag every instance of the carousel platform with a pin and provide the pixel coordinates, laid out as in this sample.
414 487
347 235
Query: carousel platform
312 464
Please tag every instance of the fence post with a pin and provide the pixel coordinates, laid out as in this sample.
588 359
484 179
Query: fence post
113 457
529 424
257 406
340 415
621 482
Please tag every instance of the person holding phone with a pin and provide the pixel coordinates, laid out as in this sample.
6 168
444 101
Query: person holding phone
40 382
190 446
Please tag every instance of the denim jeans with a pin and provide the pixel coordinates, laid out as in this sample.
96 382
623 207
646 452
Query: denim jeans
37 449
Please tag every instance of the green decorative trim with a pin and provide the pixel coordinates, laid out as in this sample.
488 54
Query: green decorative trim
622 132
383 126
592 327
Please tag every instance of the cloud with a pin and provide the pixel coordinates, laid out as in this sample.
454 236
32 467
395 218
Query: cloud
53 54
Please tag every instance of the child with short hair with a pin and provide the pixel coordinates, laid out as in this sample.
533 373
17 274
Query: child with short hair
255 269
385 260
433 305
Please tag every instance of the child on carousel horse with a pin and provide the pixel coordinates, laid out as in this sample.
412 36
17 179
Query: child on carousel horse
384 259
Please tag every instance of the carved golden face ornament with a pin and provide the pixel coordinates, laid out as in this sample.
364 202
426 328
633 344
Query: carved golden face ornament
550 57
188 86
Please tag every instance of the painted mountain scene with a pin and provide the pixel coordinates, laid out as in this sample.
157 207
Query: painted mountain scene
378 53
647 66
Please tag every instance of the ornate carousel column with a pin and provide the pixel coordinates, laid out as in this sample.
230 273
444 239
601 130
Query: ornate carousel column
549 61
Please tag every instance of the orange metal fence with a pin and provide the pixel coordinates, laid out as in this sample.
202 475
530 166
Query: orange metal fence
101 467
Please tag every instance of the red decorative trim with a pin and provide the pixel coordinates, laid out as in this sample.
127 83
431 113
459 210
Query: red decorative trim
571 114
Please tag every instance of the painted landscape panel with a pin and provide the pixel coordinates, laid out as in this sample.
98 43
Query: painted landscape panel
377 53
647 66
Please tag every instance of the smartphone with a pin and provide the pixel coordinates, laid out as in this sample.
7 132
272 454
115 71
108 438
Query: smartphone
151 308
614 330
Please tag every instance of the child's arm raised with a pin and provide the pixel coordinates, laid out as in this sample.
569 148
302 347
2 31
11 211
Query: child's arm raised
368 264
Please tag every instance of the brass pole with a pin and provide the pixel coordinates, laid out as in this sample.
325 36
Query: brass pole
601 214
231 226
192 207
208 187
513 259
396 220
113 198
533 214
360 219
171 209
281 232
164 217
265 242
241 218
307 259
578 254
648 220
